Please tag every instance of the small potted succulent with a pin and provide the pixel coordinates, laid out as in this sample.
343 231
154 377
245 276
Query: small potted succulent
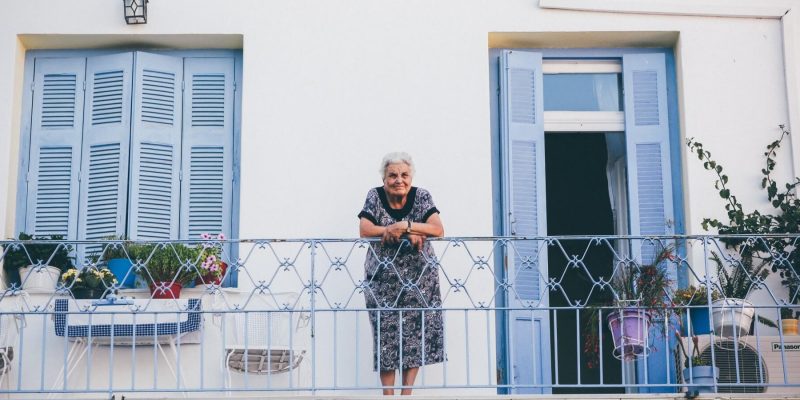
37 265
165 267
732 313
89 282
698 371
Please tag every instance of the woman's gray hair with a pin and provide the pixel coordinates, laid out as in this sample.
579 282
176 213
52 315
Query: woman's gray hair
396 158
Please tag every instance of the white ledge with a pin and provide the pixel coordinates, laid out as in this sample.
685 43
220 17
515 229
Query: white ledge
729 8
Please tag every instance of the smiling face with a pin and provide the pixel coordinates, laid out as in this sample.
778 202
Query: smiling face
397 180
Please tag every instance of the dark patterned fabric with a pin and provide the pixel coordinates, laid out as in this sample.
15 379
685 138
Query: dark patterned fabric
399 276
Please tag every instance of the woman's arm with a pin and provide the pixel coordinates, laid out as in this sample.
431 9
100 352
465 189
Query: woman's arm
431 228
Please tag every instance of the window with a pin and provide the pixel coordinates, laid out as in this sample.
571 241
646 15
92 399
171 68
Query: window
133 143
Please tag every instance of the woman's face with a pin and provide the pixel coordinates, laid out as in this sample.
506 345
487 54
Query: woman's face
397 179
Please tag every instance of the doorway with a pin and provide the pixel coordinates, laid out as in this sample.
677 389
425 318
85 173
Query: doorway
580 201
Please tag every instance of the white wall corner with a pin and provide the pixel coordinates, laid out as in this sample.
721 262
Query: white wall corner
791 65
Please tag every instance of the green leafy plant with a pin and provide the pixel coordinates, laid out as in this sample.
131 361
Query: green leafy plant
55 253
788 313
784 219
165 262
645 287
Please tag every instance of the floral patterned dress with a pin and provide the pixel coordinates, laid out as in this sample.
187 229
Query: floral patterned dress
399 276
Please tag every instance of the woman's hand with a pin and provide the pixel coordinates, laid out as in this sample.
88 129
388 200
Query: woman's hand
417 241
394 232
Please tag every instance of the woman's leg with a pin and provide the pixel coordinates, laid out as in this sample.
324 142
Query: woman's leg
387 381
409 376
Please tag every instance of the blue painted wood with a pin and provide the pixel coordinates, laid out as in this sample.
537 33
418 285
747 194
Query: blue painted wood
106 140
523 177
156 147
206 189
55 147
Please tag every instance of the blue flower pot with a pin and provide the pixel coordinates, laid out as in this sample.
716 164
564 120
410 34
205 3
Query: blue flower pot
700 324
121 268
702 378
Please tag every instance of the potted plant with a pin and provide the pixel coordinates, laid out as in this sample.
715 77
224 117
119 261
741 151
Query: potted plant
212 269
117 257
733 314
37 264
788 321
89 282
692 305
166 267
697 370
640 296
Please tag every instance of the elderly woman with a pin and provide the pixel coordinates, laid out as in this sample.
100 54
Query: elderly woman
401 275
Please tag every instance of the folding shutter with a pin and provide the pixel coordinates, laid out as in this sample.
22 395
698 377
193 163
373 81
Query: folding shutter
524 174
106 137
522 132
155 147
55 150
206 192
647 132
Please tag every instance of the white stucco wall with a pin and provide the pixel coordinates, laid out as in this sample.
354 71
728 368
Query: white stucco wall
331 86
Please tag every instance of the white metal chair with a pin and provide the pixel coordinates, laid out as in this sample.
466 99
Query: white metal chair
265 338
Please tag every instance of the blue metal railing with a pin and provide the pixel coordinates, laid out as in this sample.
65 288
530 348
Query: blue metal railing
576 313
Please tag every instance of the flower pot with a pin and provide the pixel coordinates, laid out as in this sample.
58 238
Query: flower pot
121 268
165 290
699 319
211 278
39 278
629 329
704 376
789 326
88 293
732 317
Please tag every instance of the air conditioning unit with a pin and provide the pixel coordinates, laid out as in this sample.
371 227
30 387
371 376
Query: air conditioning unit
765 365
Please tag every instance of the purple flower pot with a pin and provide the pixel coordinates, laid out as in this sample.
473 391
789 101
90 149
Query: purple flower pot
629 329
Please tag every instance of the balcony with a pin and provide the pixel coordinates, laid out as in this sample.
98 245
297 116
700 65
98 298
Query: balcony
521 316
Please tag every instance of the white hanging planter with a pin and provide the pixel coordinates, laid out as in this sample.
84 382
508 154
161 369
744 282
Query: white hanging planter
42 278
732 317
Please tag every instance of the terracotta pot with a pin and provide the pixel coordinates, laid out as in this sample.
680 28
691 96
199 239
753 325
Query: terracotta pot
165 290
789 326
211 279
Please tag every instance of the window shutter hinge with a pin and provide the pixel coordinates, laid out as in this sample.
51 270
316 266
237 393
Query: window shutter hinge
180 175
234 86
84 85
33 84
79 175
183 86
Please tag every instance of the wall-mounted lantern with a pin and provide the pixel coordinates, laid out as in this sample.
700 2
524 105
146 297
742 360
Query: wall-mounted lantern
135 11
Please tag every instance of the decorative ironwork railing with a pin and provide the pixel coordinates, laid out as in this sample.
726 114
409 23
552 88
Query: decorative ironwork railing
509 315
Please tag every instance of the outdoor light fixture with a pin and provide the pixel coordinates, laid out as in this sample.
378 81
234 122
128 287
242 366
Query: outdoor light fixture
135 11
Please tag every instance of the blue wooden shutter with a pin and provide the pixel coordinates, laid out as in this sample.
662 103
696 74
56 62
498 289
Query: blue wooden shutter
647 133
106 137
524 175
206 192
522 134
155 147
55 150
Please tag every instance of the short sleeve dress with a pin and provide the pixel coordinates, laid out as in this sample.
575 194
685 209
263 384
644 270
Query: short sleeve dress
400 277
